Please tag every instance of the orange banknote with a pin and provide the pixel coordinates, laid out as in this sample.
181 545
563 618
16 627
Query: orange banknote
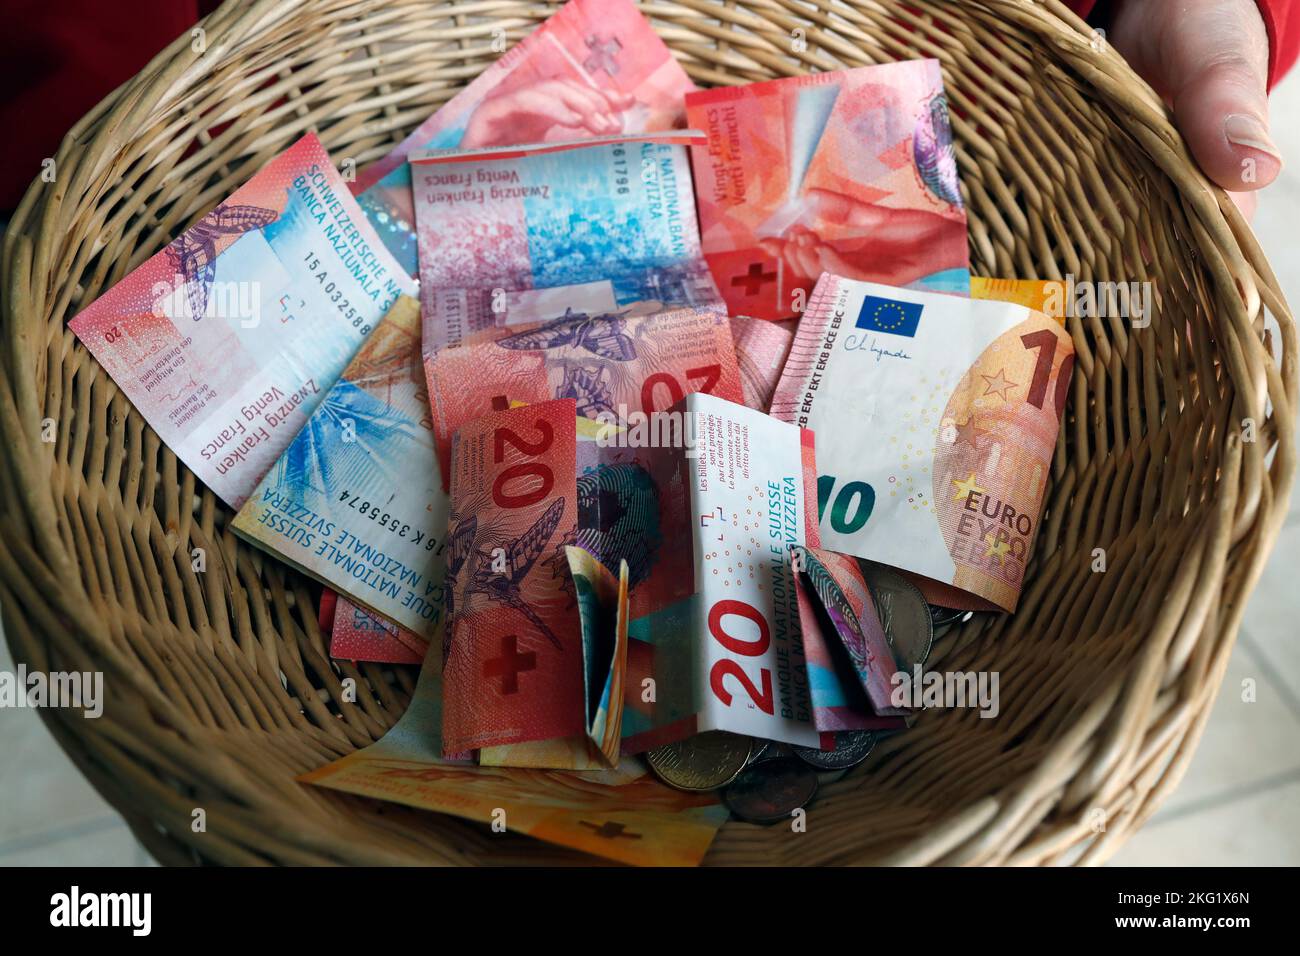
624 814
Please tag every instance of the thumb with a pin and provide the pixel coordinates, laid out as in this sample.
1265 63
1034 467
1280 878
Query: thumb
1210 59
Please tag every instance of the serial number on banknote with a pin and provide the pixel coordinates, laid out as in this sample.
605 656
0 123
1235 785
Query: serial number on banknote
334 292
389 522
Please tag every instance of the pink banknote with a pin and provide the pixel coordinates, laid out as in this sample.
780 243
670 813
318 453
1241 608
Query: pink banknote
761 350
609 365
228 338
356 634
850 172
850 663
595 68
605 223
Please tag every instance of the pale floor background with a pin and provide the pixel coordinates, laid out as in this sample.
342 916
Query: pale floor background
1239 803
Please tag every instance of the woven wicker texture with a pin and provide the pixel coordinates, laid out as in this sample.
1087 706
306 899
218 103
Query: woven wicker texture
218 685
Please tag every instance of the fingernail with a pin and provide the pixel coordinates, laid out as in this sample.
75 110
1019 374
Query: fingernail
1243 129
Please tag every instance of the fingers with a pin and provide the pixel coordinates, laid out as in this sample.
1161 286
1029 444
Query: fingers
1210 59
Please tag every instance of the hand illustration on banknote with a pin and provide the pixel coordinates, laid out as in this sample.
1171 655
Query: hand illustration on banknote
880 244
531 114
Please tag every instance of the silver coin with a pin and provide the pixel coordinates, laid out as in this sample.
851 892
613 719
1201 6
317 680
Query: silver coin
943 616
903 613
770 791
763 750
706 761
851 748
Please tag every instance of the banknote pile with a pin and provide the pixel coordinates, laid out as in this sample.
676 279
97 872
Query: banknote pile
662 428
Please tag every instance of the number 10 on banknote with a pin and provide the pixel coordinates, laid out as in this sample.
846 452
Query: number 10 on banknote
936 418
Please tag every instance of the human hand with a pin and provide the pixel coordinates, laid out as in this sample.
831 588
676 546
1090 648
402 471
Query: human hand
1209 59
527 114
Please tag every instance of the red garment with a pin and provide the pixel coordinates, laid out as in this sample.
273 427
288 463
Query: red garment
58 58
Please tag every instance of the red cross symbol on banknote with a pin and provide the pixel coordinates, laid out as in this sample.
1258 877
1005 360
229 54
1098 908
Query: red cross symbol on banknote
510 664
610 830
604 54
754 280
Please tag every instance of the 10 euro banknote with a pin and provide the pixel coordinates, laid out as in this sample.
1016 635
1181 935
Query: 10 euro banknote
936 418
594 68
228 338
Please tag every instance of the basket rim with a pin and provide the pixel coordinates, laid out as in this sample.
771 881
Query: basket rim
50 616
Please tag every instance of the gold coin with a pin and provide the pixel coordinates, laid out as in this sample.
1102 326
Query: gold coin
706 761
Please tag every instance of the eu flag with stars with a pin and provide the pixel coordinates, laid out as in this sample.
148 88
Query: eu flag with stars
889 316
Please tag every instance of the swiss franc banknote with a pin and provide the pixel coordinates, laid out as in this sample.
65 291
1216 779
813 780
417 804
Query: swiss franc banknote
761 350
752 487
609 364
229 338
715 641
611 221
850 172
624 814
520 660
850 664
355 634
464 316
595 68
936 418
1047 296
356 500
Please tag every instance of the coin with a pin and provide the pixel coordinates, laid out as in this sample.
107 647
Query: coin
851 748
903 613
762 750
943 616
704 762
770 791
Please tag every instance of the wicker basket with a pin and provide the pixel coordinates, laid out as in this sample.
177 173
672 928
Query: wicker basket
219 689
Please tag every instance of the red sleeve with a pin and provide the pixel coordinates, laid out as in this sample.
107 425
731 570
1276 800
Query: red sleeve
1281 18
1283 22
58 59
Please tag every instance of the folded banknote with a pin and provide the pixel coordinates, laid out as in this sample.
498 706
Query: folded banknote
228 338
761 351
523 663
355 634
594 68
715 639
611 222
850 664
936 418
850 172
356 500
609 364
624 814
